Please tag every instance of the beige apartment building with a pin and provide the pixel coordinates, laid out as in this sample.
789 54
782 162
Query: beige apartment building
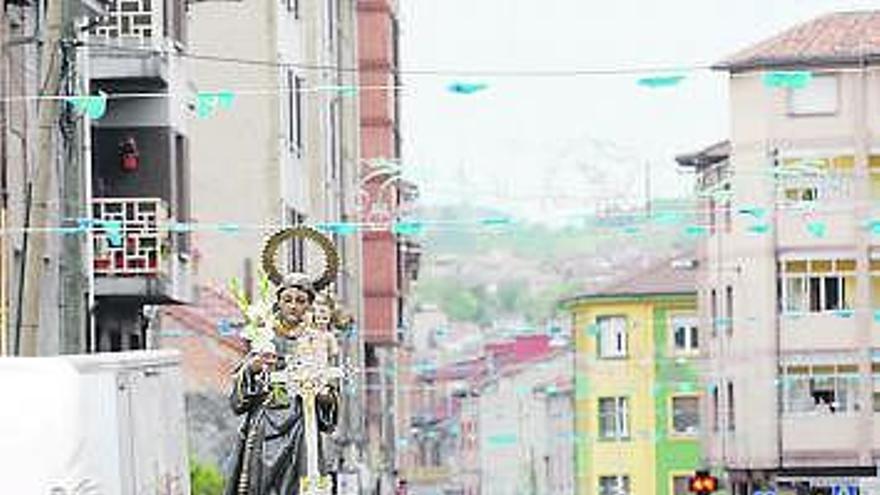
284 152
790 279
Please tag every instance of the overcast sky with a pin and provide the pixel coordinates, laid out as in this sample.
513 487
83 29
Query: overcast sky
581 139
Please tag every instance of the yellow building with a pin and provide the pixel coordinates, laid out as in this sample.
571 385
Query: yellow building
637 392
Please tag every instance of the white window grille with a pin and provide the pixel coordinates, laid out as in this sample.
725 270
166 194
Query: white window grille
812 179
614 485
614 418
685 415
819 388
613 338
132 19
815 286
818 97
127 238
685 334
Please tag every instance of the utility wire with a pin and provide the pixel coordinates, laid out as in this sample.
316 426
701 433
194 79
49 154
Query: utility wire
491 72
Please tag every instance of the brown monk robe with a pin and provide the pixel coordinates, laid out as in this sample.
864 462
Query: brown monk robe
270 454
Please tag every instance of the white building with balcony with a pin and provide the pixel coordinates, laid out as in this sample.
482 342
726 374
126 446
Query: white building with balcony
140 168
790 286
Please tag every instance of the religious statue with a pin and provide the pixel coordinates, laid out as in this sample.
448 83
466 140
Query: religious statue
287 386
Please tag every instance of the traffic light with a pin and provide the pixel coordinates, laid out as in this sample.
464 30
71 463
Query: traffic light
702 483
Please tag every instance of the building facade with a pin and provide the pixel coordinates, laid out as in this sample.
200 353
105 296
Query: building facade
390 259
102 166
283 152
521 430
636 383
790 286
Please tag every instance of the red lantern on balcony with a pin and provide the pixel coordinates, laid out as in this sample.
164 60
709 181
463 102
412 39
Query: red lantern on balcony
129 156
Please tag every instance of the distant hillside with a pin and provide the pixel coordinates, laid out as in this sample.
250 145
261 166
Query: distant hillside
486 273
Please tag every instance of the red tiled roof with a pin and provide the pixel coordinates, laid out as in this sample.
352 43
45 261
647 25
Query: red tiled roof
663 277
204 317
842 38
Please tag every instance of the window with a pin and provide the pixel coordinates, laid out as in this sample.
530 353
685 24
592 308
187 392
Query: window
294 113
681 485
728 297
875 373
817 285
297 253
728 211
807 180
874 172
293 7
731 408
613 418
614 485
716 419
712 215
819 388
875 281
818 97
331 24
713 301
685 415
685 334
612 336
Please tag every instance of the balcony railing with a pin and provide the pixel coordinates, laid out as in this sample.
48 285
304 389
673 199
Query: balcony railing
141 19
127 239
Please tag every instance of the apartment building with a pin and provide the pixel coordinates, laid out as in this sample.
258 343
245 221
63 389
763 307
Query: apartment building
282 150
637 395
91 199
390 260
140 169
790 288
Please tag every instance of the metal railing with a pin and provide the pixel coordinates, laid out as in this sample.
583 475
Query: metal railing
127 237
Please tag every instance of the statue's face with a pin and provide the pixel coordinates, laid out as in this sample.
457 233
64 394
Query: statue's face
293 303
323 315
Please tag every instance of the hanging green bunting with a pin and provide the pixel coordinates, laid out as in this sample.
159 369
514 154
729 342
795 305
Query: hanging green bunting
759 228
754 211
817 229
660 81
464 88
408 228
696 230
341 228
795 79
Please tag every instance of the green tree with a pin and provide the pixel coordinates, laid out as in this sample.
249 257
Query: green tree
205 477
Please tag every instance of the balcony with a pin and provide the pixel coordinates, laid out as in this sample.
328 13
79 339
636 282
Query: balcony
131 43
135 254
828 331
817 211
821 438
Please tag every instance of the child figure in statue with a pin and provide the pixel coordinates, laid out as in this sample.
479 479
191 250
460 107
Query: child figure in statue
270 456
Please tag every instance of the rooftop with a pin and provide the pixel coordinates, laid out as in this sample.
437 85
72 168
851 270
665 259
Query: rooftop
841 38
706 157
670 276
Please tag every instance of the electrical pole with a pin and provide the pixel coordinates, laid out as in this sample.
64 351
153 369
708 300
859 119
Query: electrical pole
72 321
28 327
